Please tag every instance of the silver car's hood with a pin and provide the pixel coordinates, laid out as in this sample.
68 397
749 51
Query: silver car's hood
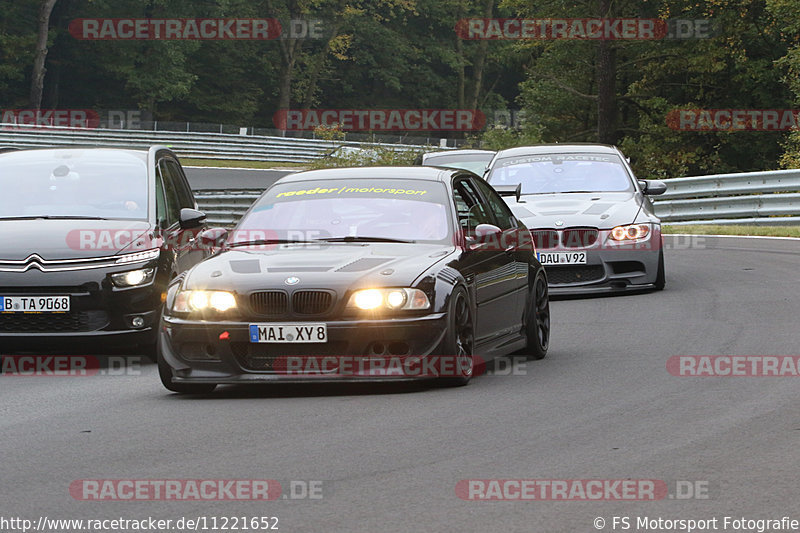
601 210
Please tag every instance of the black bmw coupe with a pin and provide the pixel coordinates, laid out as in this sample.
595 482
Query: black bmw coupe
354 274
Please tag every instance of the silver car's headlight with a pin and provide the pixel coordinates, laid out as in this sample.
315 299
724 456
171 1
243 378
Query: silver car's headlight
631 232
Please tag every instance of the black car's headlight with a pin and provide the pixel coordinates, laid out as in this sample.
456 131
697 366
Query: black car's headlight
391 299
133 278
631 232
199 301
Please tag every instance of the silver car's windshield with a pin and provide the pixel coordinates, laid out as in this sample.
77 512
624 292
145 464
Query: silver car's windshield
562 173
87 184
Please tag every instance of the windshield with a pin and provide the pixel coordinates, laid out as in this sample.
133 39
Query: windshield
407 210
562 173
85 184
474 163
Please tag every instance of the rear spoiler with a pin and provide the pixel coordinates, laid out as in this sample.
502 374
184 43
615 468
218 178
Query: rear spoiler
510 190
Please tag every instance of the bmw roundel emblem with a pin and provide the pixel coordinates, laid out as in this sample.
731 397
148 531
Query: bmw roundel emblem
559 223
292 280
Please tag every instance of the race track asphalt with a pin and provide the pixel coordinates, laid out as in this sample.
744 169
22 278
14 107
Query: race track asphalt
602 405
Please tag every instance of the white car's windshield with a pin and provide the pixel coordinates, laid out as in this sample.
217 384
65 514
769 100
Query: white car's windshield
562 173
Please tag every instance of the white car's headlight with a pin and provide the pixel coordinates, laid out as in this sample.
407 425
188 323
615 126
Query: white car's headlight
392 299
188 301
631 232
132 278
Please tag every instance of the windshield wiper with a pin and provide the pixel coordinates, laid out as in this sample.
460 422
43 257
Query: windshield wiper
354 238
53 217
260 242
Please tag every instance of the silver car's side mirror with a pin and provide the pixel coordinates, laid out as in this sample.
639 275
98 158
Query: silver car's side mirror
653 187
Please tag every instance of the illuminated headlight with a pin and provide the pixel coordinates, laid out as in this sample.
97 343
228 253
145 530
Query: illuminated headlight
394 299
132 278
188 301
631 232
137 257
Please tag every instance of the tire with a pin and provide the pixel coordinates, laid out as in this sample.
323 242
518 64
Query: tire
661 279
165 373
537 324
459 339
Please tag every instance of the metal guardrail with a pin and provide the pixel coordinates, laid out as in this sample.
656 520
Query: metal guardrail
185 144
753 198
756 198
225 207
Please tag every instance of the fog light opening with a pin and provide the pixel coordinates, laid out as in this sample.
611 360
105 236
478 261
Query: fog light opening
137 322
398 348
377 348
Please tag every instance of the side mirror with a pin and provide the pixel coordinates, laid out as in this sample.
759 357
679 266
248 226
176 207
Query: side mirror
191 218
213 237
510 190
484 233
653 187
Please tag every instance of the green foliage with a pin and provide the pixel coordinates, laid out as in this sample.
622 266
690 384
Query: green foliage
499 137
379 54
366 156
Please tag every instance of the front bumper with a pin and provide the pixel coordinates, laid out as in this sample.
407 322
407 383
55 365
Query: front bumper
100 315
611 267
196 352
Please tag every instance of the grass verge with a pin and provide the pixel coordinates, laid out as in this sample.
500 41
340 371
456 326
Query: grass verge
712 229
229 163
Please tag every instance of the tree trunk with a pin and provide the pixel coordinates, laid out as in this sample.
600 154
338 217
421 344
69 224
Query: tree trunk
461 60
480 61
606 85
316 69
37 78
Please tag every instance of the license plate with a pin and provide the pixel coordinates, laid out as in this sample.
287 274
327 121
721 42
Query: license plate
34 304
288 333
561 258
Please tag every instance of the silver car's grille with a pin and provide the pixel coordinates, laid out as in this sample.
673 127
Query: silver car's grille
561 275
545 238
579 237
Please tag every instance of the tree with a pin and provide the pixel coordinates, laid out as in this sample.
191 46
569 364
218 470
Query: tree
37 77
